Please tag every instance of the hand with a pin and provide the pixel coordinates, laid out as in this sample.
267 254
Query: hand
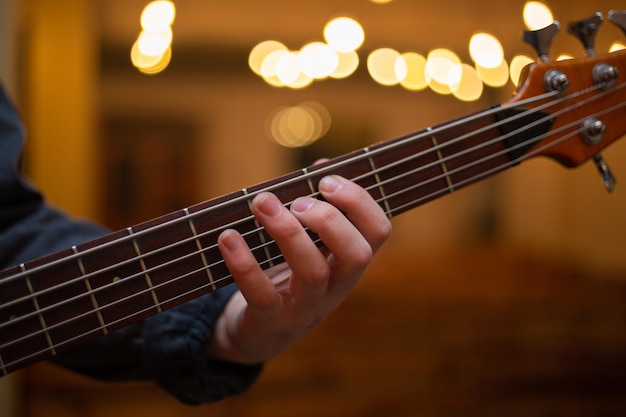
277 306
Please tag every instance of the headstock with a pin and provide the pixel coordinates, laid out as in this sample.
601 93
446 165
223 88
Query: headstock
586 96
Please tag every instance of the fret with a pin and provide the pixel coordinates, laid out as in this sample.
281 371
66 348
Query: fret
469 155
116 279
94 302
22 337
171 257
155 299
379 186
433 139
192 227
263 240
305 173
408 170
42 321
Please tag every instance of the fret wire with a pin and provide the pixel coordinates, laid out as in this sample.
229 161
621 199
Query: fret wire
142 263
309 181
388 212
444 167
258 226
229 277
92 295
379 184
42 321
192 227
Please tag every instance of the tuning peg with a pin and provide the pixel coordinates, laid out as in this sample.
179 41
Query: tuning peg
585 30
541 39
607 176
618 18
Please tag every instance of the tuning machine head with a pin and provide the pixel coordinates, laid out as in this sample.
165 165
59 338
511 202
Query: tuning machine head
585 31
541 39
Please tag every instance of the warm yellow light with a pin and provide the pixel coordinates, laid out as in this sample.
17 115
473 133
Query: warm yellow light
270 62
287 69
439 63
465 83
298 126
160 65
381 1
381 65
494 77
301 81
261 51
400 68
415 78
617 46
154 43
317 60
344 34
158 16
537 15
486 50
348 63
564 57
141 60
517 65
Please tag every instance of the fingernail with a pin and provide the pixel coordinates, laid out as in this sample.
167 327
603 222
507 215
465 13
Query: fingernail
268 204
230 240
331 184
302 204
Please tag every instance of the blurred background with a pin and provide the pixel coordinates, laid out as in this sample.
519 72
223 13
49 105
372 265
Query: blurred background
505 298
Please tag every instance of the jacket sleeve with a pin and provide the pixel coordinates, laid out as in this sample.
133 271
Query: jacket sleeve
167 348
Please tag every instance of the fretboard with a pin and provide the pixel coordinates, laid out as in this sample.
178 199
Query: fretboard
58 301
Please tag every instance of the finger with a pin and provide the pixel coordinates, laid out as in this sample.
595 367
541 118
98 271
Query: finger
308 264
359 206
258 290
349 251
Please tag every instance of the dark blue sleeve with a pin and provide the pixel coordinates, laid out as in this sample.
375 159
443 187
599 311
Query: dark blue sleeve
167 348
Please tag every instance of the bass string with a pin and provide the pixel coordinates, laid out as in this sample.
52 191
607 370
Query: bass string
228 278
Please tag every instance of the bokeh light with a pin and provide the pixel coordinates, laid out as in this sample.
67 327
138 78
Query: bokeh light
537 15
260 52
494 77
486 50
381 64
344 34
298 126
157 16
518 63
415 78
465 83
152 51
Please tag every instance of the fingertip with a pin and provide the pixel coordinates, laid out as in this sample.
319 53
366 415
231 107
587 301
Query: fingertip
331 183
230 240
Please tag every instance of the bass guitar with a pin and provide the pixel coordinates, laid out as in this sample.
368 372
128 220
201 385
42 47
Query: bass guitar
565 110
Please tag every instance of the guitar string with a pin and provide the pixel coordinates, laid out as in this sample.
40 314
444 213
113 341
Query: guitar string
228 277
192 238
139 313
254 231
315 171
97 330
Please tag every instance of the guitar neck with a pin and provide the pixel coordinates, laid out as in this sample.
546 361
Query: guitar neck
95 288
58 301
